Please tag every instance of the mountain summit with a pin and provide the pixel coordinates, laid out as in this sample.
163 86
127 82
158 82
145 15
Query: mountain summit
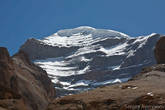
84 58
81 36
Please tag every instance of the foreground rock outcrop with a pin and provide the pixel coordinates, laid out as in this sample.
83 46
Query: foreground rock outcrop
160 51
23 85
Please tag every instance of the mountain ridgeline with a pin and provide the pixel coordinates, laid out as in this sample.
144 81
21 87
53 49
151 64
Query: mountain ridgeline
84 58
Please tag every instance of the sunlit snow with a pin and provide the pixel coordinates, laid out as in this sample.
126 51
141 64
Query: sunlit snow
86 39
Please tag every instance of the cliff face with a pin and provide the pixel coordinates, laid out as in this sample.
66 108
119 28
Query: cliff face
85 58
5 67
24 86
145 91
160 51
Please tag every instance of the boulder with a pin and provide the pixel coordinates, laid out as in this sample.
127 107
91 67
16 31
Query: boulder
160 51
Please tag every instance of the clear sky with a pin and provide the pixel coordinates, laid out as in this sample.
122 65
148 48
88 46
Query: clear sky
23 19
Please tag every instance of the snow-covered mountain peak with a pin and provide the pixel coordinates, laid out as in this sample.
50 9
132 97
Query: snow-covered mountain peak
85 27
83 58
86 30
82 36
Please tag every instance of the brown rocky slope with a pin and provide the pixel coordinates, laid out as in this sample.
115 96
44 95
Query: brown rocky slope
23 85
146 91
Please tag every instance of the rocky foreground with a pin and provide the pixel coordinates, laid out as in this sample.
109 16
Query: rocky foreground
23 86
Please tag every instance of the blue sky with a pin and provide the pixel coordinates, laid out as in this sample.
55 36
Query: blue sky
23 19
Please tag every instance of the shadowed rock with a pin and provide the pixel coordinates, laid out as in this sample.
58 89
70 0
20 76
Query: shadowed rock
160 51
23 85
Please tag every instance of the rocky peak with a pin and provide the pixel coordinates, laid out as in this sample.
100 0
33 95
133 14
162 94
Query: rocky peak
160 51
84 57
23 82
5 67
23 56
4 55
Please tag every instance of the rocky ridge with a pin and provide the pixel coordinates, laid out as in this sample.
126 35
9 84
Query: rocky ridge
23 85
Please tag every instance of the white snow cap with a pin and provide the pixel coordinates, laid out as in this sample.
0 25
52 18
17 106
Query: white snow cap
86 30
81 36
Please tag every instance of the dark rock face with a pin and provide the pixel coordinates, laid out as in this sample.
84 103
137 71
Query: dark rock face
160 51
145 53
24 83
4 54
37 50
5 67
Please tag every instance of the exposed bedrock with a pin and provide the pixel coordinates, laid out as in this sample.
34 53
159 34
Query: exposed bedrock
160 51
23 85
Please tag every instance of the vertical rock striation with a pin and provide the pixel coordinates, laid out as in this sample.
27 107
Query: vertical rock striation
23 85
160 51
